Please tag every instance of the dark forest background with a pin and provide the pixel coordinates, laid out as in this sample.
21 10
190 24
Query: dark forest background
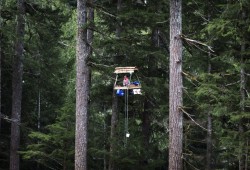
216 70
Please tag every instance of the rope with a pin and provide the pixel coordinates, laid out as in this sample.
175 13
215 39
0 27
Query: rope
115 80
126 117
138 79
126 114
130 76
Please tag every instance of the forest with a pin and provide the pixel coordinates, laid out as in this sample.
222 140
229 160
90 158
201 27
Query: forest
58 106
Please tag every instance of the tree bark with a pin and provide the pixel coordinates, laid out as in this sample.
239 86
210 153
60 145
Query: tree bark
242 102
114 117
1 7
209 141
17 77
209 115
82 88
175 87
114 121
148 102
209 133
242 109
90 32
146 123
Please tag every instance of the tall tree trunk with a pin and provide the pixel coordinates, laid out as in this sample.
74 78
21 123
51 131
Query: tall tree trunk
82 88
146 122
90 32
209 115
1 7
118 25
38 115
17 77
209 141
175 87
242 108
242 102
114 121
114 117
148 102
247 153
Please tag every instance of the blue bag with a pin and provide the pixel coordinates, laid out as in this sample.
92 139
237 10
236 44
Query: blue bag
120 92
136 83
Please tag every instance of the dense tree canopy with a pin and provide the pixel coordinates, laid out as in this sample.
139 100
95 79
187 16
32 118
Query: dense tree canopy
216 69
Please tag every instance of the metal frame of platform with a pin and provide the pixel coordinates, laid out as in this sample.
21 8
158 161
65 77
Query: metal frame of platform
127 87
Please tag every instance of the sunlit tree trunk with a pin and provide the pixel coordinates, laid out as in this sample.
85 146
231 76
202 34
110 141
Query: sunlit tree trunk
17 77
82 88
175 87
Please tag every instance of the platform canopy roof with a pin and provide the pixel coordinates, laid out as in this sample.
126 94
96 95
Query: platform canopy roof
125 70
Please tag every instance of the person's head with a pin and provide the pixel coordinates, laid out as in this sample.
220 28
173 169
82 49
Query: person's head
125 77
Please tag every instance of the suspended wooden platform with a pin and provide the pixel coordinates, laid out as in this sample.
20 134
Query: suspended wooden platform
125 70
132 86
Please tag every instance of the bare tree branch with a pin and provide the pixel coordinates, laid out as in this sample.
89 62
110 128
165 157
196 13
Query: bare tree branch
162 22
189 163
194 42
247 74
230 84
247 92
102 65
190 77
192 119
101 9
5 117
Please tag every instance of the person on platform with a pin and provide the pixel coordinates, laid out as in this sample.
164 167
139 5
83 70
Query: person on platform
126 81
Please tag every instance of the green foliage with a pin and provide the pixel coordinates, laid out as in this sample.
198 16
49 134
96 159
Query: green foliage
49 72
55 148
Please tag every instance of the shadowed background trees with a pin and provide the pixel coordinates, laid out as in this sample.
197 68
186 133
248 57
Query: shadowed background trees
215 84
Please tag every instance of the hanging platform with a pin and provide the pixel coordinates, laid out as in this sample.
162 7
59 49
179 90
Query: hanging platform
131 86
125 70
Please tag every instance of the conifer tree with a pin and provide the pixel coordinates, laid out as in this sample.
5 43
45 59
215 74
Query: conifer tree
209 114
82 87
114 116
175 87
17 78
1 20
229 25
242 157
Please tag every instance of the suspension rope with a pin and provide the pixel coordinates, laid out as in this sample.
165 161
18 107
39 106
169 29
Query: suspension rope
125 120
127 112
126 117
115 80
126 135
138 79
130 76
